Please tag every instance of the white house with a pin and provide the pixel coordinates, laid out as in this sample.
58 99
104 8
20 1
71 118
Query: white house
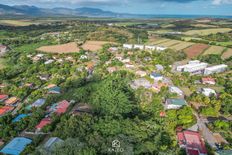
175 103
141 47
128 46
149 47
82 57
215 69
192 67
208 92
156 76
49 62
176 90
160 48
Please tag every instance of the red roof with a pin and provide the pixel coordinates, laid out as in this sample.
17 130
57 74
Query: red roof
193 152
62 107
205 79
192 140
3 97
43 123
162 114
5 109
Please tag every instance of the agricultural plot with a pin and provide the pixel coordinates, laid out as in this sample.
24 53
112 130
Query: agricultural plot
94 45
16 22
181 46
227 54
214 50
195 50
64 48
207 31
159 41
170 43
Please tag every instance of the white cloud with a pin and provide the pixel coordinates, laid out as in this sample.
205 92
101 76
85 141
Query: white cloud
219 2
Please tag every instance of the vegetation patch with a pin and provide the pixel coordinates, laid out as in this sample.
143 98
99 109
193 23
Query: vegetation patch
182 46
214 50
227 54
207 31
195 50
64 48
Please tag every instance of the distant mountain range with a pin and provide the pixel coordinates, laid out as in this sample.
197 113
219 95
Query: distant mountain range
33 11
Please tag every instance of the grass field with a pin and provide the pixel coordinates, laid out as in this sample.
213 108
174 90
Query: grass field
227 54
159 41
64 48
195 50
214 50
182 46
207 31
16 22
170 43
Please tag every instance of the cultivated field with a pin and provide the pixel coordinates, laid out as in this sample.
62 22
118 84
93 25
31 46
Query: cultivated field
16 22
195 50
227 54
158 41
207 31
170 43
94 45
64 48
214 50
182 46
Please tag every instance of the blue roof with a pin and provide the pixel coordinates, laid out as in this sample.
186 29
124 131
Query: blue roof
54 89
16 146
19 117
156 74
38 103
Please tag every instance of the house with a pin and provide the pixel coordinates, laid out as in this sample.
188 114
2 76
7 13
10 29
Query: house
19 117
176 90
141 73
157 86
156 76
82 109
3 49
38 103
127 46
12 101
208 80
111 69
129 65
54 90
49 61
113 49
16 146
126 60
175 103
50 144
3 97
215 69
141 83
43 123
50 86
38 57
83 57
192 142
208 92
140 47
194 67
161 48
5 109
149 47
59 108
159 67
44 77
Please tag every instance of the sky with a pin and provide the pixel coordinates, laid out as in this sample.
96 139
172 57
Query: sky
187 7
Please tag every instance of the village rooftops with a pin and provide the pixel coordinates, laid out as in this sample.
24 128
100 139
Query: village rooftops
16 146
54 90
38 103
19 117
175 103
60 107
156 76
3 97
43 123
208 92
142 82
192 142
208 80
5 109
215 69
11 101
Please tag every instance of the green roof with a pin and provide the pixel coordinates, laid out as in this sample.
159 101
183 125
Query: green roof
176 101
224 152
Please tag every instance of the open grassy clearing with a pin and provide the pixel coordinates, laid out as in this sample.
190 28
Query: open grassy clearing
159 41
195 50
94 45
181 46
207 31
17 22
204 25
214 50
170 43
227 54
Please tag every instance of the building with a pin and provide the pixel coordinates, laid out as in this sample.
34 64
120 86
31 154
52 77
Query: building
157 86
3 97
16 146
59 108
192 142
208 92
5 109
175 103
12 101
215 69
128 46
140 47
44 77
160 48
159 67
19 117
49 61
50 144
111 69
54 90
156 76
141 73
176 90
208 80
194 67
125 60
141 83
113 49
38 103
3 49
149 47
43 123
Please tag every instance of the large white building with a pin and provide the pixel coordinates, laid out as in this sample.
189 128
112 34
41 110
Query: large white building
141 47
192 67
215 69
208 92
128 46
149 47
